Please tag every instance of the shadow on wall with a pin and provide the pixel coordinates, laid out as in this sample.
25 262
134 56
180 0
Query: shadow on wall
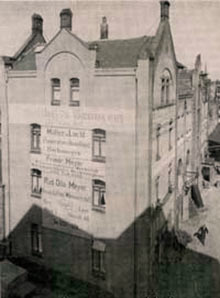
66 263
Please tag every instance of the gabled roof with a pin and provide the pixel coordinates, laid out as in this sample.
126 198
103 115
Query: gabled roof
32 40
24 58
121 52
117 53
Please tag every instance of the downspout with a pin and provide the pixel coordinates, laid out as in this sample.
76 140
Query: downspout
135 190
176 207
150 149
8 160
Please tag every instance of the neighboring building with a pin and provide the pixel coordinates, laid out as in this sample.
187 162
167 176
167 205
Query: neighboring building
92 164
193 128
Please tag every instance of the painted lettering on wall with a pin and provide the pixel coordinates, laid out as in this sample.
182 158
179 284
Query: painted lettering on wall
68 171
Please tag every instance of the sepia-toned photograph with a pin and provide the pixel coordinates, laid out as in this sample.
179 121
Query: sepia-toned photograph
110 149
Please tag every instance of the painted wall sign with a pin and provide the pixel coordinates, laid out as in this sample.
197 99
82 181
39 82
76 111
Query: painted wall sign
67 174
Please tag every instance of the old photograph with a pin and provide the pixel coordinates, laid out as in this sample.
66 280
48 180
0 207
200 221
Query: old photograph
109 149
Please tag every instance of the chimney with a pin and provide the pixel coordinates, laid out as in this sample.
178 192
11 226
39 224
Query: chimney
66 19
104 29
37 24
164 10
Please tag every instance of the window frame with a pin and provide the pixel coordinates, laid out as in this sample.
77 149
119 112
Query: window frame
35 133
36 174
55 86
74 88
98 136
100 187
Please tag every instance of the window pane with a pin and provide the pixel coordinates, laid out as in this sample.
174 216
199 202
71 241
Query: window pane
75 95
40 243
102 199
34 183
56 94
96 194
96 148
103 145
34 141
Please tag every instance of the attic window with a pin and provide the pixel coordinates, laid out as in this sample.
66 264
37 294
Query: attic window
55 89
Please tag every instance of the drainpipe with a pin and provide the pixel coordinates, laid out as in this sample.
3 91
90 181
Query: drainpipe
176 208
135 191
150 149
8 159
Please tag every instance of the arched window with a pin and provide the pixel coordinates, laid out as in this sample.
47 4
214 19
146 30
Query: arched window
55 92
165 87
179 167
36 188
35 138
99 142
74 92
98 190
187 157
158 141
170 133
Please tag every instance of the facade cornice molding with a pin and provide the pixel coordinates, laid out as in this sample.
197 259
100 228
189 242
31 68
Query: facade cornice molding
22 74
115 72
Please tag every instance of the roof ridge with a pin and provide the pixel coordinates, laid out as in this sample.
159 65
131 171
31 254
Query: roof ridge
120 39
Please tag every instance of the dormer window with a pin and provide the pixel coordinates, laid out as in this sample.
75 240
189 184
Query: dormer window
74 92
55 88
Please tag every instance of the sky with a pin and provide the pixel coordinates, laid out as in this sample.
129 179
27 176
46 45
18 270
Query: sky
195 24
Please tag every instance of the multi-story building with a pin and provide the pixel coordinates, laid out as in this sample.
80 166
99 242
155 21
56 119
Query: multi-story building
194 124
89 128
91 167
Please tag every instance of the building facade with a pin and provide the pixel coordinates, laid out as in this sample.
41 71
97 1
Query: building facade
95 142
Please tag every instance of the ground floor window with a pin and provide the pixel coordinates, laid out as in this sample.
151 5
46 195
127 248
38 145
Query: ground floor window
98 258
36 240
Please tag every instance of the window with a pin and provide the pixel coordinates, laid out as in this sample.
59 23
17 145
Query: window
74 92
165 87
170 189
187 157
170 134
158 142
55 87
98 258
98 187
179 168
162 91
36 240
35 138
36 188
99 141
157 185
179 173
